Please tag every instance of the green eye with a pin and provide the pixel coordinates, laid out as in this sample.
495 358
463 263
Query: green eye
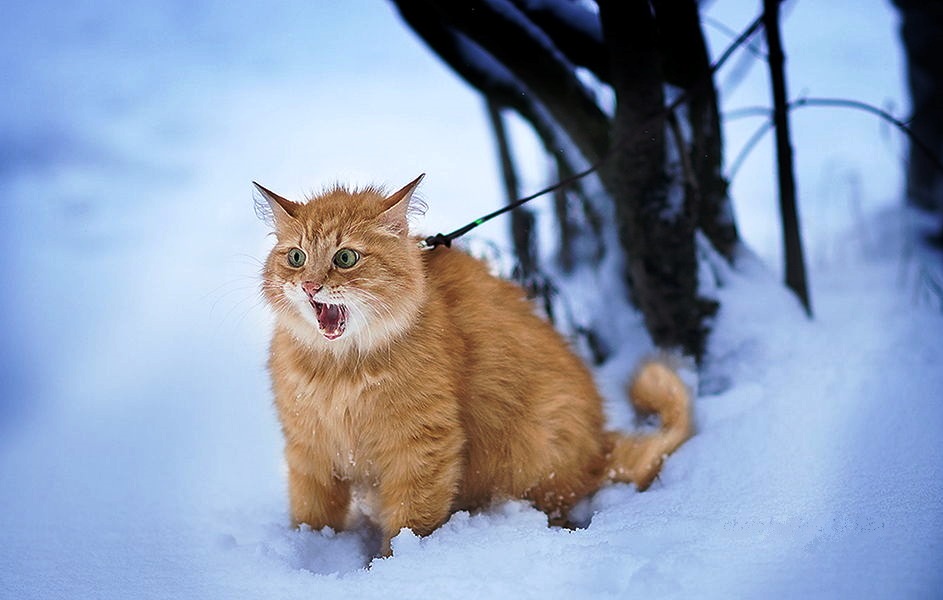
346 258
296 257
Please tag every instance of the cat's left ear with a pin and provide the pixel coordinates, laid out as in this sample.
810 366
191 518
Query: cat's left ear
273 209
396 208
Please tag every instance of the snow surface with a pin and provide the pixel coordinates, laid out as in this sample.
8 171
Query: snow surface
139 451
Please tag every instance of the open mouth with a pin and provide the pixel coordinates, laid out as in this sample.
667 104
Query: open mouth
332 319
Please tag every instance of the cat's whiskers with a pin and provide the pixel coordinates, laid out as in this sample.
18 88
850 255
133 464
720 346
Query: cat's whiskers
372 333
233 300
365 331
240 281
376 305
239 284
280 301
269 283
251 260
280 304
226 290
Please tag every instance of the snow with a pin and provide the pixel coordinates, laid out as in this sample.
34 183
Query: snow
139 451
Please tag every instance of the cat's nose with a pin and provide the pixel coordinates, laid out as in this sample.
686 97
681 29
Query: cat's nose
311 288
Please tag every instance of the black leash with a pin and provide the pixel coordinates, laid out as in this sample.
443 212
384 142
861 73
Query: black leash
443 239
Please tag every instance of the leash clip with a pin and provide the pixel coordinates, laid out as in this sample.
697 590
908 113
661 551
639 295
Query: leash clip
432 241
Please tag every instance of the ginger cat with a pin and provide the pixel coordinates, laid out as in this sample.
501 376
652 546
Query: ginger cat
411 384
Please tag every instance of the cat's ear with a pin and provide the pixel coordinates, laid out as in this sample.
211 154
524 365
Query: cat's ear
396 208
272 208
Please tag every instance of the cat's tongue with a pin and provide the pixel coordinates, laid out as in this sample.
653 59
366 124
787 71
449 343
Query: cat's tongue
332 319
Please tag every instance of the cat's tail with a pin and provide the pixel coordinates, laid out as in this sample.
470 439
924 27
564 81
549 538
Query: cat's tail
655 388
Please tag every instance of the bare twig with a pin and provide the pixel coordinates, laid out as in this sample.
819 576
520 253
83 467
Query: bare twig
863 106
754 49
748 147
753 111
741 39
522 222
748 111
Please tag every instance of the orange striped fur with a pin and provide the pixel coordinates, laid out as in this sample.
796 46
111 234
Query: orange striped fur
414 383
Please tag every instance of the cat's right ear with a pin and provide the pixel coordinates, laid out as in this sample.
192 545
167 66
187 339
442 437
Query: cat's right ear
272 208
397 207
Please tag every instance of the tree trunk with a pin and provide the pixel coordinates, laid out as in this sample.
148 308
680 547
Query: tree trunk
649 195
687 66
792 239
921 32
655 221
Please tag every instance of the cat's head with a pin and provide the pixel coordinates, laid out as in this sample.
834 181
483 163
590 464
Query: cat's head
344 273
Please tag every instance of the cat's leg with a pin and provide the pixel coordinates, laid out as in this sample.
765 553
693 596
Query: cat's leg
418 488
566 483
317 497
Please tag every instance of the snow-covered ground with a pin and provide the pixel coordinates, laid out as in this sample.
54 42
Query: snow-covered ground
139 452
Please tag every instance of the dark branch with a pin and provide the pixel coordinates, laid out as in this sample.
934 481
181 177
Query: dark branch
792 237
482 71
533 59
575 31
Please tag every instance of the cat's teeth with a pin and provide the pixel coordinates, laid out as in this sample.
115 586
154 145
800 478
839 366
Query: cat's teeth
332 319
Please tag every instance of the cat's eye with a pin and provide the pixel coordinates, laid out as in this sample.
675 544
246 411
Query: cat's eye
296 257
345 258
